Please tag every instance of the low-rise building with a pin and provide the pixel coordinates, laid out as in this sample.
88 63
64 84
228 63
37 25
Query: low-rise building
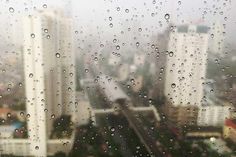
181 115
213 111
213 115
229 130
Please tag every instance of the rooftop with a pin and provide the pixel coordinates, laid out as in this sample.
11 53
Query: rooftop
111 89
230 123
5 110
194 28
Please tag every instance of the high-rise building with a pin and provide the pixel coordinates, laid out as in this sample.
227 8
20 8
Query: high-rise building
185 73
217 38
186 65
49 74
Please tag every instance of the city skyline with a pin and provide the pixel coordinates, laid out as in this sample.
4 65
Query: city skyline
117 85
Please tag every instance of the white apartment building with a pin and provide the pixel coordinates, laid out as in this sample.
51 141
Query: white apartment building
213 115
213 111
216 43
49 74
186 65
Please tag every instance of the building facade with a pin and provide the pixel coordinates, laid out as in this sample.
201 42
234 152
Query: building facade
49 74
185 73
213 115
186 65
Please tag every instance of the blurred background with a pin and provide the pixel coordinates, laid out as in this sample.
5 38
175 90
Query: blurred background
116 78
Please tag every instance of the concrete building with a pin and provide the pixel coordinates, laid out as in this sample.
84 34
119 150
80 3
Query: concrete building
213 115
186 65
217 38
49 75
185 73
213 111
181 115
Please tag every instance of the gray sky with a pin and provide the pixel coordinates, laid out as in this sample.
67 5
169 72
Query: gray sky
149 14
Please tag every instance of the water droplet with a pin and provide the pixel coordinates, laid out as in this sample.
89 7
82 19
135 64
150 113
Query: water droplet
112 129
137 44
118 8
111 25
52 116
31 75
150 101
36 147
11 10
45 30
110 18
132 80
95 59
8 114
20 84
140 29
58 55
126 10
117 47
86 70
48 36
179 2
45 6
22 113
32 35
173 85
167 16
171 54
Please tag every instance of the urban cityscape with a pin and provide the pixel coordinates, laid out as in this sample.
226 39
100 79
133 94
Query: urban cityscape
110 78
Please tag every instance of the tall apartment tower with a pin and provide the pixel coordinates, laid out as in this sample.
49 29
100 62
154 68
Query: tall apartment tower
49 74
186 65
185 73
216 45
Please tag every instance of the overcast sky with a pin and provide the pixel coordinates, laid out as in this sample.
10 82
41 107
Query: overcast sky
149 14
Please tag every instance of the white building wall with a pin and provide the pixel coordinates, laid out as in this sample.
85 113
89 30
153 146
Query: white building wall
213 115
217 39
50 91
34 86
186 68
